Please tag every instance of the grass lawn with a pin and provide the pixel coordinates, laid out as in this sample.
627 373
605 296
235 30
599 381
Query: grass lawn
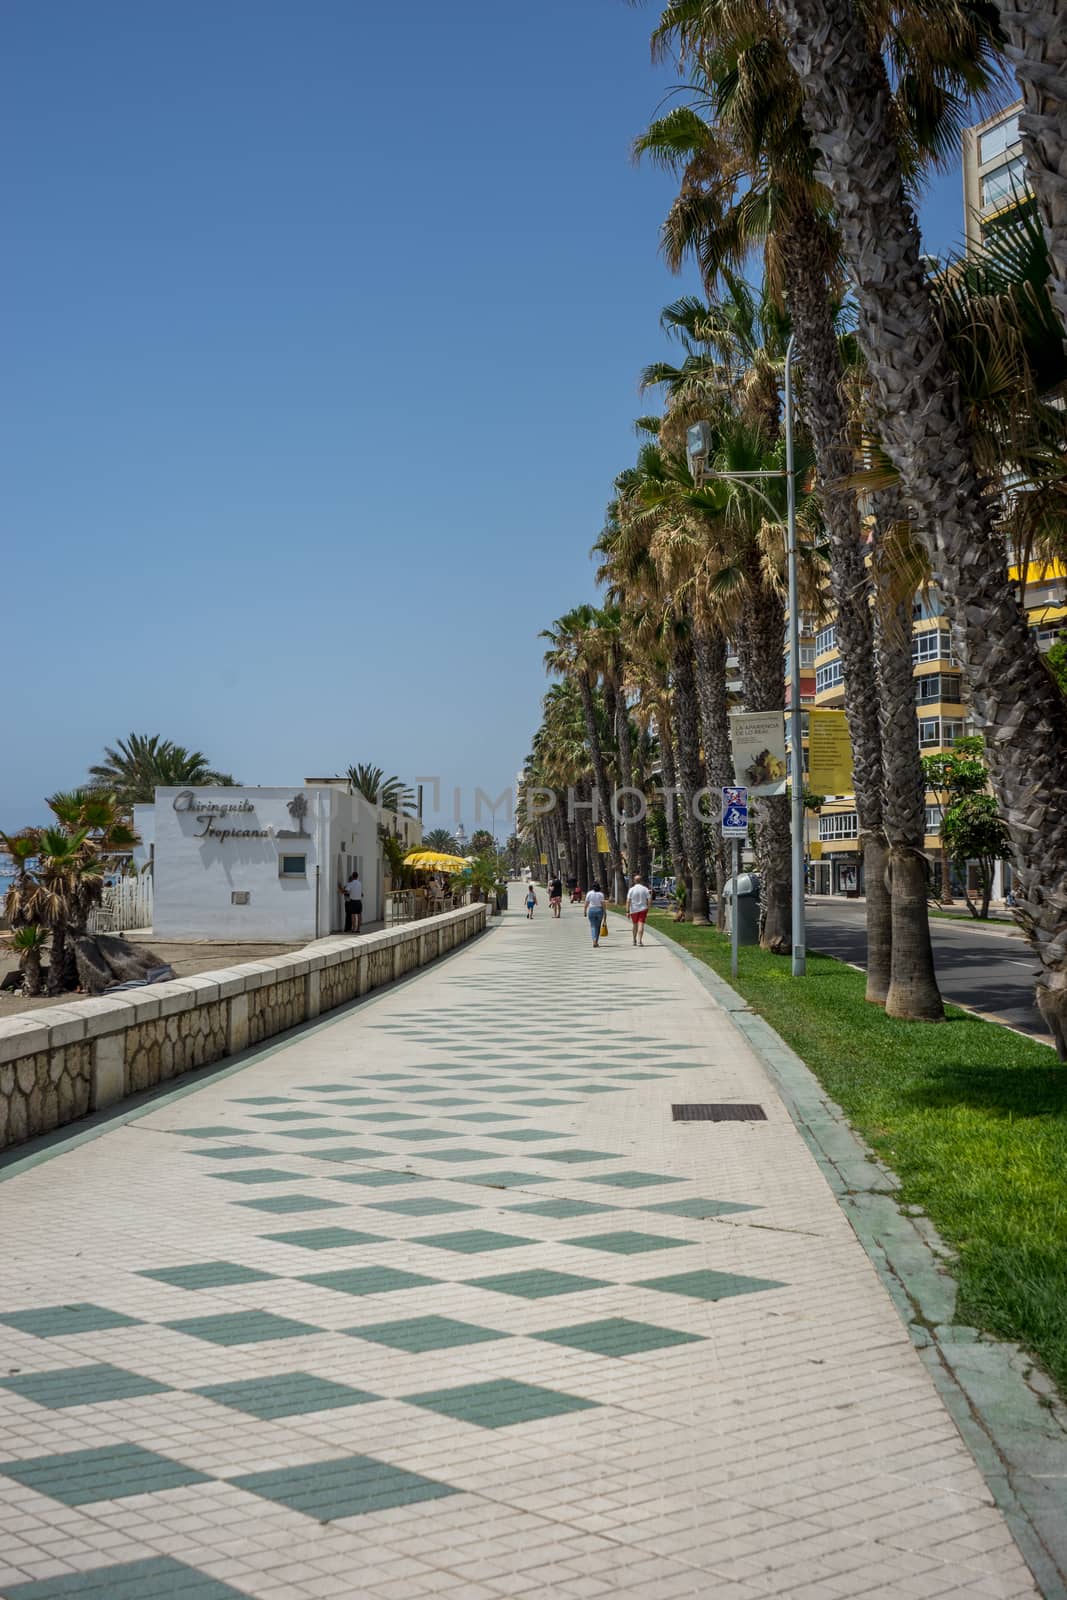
971 1117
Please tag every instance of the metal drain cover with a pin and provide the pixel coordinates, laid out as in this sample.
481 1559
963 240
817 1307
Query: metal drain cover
718 1113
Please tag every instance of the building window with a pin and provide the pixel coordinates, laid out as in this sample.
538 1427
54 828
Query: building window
996 140
938 686
825 639
292 866
1046 637
952 729
807 655
840 825
828 677
934 644
1004 183
933 820
929 731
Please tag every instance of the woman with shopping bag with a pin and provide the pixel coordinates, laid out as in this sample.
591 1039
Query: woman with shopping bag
596 911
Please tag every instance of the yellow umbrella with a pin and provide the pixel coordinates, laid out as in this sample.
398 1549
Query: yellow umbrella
434 861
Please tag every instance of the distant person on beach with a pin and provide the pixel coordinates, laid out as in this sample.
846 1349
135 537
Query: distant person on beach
353 893
531 899
638 901
555 895
596 911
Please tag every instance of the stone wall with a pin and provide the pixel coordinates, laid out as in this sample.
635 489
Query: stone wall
58 1064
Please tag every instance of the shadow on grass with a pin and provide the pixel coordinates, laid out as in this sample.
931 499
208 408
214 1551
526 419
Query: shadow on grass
1016 1091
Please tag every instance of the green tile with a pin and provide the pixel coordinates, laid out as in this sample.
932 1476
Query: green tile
595 1088
219 1132
451 1153
525 1135
284 1394
231 1152
263 1100
389 1116
368 1280
499 1403
154 1578
347 1152
314 1133
576 1157
626 1243
59 1322
507 1180
447 1100
631 1180
487 1116
634 1076
81 1386
241 1327
421 1205
347 1487
417 1134
561 1208
111 1472
359 1100
537 1284
286 1116
325 1088
257 1175
377 1180
616 1336
708 1285
472 1241
207 1275
326 1238
699 1208
284 1203
386 1077
545 1100
417 1334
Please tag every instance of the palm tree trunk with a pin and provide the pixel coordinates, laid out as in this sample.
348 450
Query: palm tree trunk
603 791
709 660
634 825
807 295
913 993
690 773
57 961
1013 697
644 857
670 799
760 643
1037 49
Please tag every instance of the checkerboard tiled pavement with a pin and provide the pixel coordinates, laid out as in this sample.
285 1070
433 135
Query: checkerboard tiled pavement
438 1300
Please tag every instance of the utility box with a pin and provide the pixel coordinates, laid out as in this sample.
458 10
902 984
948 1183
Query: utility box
741 895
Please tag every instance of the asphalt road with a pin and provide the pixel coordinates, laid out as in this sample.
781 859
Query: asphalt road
987 967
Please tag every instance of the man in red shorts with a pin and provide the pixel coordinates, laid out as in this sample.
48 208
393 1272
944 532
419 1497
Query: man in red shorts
637 903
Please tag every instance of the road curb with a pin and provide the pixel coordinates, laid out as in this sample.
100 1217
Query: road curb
1006 1410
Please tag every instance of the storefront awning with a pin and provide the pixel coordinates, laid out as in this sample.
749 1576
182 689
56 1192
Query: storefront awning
434 861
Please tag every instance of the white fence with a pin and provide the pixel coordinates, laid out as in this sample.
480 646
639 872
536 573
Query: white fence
127 903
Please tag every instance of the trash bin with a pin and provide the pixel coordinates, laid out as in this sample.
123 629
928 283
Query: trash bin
502 897
746 902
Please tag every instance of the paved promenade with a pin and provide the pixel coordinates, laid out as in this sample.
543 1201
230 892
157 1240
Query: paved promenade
438 1300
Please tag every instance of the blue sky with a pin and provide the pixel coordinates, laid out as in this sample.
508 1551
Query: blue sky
323 324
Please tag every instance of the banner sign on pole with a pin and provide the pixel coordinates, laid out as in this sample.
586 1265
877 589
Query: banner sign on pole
602 845
758 740
735 813
544 859
829 753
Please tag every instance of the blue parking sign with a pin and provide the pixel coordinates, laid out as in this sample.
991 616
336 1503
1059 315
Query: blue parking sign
735 813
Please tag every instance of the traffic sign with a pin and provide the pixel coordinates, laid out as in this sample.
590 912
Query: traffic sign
735 813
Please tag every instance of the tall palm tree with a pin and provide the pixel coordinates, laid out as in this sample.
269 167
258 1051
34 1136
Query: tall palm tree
848 108
392 794
441 840
136 766
1037 49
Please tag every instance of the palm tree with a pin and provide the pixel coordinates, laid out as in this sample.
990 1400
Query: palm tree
391 794
441 840
848 107
136 766
30 941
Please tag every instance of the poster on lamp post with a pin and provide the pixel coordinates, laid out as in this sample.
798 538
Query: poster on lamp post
829 753
758 742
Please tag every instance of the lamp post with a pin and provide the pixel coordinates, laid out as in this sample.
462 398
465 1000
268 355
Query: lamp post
697 442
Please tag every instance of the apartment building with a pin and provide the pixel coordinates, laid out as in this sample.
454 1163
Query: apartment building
994 175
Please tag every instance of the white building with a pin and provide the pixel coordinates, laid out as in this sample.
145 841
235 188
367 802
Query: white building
263 864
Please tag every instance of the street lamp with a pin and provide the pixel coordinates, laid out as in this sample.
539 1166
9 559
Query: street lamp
698 446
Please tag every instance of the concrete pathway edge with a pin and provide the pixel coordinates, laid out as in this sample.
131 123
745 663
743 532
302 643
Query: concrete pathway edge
1006 1410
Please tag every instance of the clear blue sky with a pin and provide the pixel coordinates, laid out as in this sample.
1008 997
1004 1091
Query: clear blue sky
322 328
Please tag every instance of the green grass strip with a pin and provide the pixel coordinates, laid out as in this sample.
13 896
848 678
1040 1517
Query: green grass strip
970 1116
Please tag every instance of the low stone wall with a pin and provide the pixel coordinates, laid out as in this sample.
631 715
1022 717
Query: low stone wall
57 1065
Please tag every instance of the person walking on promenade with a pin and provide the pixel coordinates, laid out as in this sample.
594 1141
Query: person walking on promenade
638 901
353 893
596 911
531 899
555 895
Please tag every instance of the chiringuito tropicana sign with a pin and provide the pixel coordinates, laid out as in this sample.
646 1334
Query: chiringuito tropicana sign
211 813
